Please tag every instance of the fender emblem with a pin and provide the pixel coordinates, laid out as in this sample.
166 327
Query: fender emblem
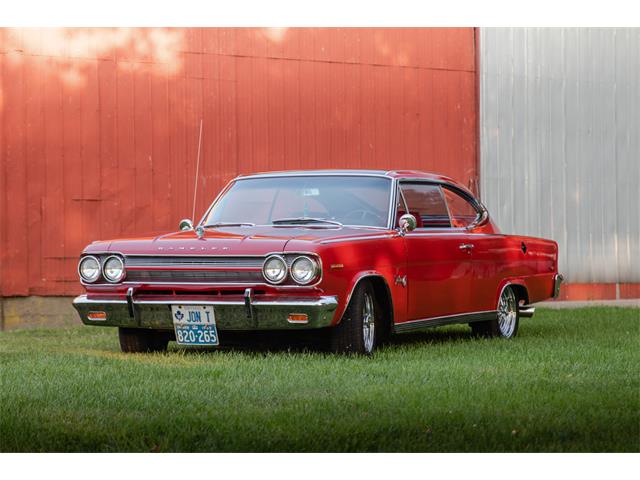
401 280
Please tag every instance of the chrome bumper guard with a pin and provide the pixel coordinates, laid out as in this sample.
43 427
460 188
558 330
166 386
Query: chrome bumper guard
246 314
526 311
557 281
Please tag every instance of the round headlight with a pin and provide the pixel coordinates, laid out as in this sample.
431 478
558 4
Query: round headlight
274 269
89 269
113 269
304 270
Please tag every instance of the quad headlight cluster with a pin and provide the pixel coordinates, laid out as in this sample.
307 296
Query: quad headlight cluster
303 269
91 268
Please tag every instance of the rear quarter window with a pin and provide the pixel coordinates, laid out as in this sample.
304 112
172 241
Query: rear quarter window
461 211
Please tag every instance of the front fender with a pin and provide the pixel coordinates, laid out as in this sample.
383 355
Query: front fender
348 262
395 302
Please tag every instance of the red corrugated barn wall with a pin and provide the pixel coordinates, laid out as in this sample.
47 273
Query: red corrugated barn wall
100 126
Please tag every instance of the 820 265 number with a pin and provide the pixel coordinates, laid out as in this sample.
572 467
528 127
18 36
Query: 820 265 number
201 336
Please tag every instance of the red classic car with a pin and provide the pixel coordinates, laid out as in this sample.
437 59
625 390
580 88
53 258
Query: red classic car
355 255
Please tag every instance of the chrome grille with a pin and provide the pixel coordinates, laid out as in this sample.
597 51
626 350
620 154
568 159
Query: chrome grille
185 261
194 269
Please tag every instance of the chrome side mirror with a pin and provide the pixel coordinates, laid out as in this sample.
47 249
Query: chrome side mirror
407 223
186 224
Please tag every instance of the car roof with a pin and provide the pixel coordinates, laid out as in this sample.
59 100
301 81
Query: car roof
379 173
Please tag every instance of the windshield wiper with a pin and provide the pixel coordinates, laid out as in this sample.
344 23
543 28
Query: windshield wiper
304 221
221 224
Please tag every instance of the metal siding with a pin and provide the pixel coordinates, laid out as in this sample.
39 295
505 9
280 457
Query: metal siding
100 126
559 143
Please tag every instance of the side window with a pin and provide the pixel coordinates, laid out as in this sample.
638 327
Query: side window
427 204
462 212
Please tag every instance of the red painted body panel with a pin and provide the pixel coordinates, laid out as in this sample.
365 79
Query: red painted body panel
500 259
441 278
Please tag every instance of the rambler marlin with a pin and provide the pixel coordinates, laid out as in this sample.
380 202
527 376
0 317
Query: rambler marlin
354 255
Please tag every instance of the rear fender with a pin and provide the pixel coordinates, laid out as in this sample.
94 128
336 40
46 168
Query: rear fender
519 285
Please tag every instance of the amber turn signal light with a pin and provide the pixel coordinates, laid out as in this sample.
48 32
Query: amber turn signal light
97 316
298 318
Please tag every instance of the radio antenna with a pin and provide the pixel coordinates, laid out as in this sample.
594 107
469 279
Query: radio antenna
195 186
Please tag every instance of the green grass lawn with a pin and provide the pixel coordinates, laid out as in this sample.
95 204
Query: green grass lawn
568 382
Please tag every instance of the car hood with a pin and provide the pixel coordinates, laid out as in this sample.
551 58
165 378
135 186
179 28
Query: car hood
228 240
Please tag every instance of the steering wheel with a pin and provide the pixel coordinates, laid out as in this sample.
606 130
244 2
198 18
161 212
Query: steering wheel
362 214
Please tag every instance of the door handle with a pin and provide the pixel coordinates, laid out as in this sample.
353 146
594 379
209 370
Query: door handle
466 246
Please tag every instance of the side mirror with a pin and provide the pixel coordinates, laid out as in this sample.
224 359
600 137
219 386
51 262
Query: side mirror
407 223
186 224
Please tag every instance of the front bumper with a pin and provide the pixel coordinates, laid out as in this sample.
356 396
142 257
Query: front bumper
246 314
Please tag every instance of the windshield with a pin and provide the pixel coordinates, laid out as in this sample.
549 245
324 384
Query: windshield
299 200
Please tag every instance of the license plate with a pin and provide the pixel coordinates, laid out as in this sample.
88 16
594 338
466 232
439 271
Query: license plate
194 325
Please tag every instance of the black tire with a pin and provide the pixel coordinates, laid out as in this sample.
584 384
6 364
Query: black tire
507 320
349 335
138 340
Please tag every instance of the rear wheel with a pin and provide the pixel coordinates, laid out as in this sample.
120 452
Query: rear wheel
361 324
138 340
506 323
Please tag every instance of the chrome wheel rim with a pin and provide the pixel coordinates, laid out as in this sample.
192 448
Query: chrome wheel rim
507 312
368 323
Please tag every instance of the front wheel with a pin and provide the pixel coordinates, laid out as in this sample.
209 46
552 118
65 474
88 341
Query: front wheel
138 340
506 323
361 324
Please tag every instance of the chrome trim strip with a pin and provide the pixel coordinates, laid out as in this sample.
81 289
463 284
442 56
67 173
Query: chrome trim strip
353 239
526 311
392 204
404 200
425 232
446 320
328 173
